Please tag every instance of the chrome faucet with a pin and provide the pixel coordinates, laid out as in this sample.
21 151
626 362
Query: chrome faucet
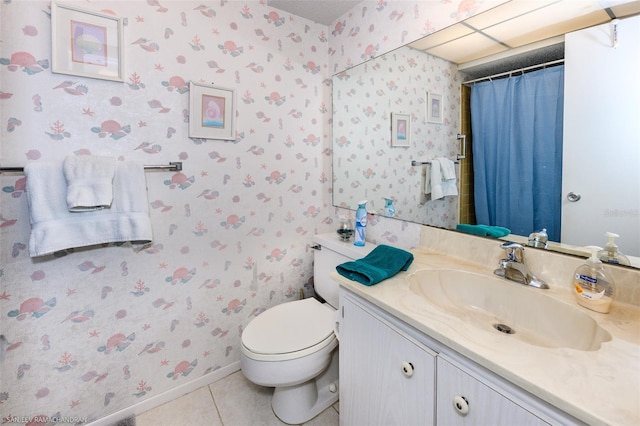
514 269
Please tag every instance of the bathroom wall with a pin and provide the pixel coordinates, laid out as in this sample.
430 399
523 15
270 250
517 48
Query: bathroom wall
92 331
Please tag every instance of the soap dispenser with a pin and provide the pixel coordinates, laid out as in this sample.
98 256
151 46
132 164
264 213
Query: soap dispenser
389 209
361 223
610 252
593 287
539 239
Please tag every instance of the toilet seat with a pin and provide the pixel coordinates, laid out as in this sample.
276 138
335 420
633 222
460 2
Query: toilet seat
290 330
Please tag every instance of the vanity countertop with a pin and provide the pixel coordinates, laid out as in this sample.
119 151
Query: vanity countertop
597 387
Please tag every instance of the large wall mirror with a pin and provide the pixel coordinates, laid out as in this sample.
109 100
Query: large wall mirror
422 82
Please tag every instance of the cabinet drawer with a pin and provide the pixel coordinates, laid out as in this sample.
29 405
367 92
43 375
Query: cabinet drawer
464 400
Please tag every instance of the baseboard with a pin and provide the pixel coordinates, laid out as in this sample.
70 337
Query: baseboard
170 395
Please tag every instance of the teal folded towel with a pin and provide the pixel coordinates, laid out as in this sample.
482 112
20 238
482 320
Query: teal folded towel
483 230
383 262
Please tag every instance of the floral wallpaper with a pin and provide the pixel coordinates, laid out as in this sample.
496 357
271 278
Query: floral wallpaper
90 332
366 164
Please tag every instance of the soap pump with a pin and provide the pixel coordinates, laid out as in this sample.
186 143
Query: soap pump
361 223
539 239
610 252
389 209
592 286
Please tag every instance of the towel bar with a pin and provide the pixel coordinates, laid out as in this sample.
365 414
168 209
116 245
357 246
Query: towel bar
175 166
420 163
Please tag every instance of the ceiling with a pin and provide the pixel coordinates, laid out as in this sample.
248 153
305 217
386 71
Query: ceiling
516 28
320 11
519 23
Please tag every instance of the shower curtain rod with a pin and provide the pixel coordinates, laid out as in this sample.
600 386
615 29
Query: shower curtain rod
175 166
510 73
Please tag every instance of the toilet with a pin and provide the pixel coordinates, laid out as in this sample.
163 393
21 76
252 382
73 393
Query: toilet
293 348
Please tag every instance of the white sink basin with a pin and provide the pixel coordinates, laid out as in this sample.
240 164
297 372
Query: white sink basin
514 310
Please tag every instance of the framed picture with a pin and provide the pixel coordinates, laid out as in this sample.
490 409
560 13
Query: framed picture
212 112
434 108
86 43
400 129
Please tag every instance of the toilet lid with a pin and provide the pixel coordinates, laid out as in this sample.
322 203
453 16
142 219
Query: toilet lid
289 327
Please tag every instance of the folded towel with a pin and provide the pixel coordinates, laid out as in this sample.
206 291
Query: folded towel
383 262
483 230
54 227
449 180
445 170
89 182
448 168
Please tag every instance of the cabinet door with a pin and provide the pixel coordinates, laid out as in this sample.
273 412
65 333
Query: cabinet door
385 378
464 400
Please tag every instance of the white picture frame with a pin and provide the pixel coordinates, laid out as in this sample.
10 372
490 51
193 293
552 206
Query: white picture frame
435 108
212 112
400 130
86 43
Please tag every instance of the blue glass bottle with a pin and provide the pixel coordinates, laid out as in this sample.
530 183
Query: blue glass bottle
361 223
389 209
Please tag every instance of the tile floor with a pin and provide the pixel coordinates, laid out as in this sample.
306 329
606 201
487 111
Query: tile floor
232 401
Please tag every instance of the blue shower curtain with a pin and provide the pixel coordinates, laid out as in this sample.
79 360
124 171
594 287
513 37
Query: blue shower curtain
516 124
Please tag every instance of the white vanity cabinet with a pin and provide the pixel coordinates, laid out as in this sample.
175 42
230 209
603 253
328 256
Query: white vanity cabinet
386 378
392 374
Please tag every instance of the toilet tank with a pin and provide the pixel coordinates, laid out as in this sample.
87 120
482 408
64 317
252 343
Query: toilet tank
331 252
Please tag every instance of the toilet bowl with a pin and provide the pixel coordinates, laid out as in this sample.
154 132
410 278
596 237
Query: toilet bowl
293 348
291 344
280 351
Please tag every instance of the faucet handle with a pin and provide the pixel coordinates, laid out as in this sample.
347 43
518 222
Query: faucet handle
515 251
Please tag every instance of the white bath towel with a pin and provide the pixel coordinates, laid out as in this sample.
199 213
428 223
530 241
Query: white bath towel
437 191
440 180
448 168
54 227
89 182
425 185
449 180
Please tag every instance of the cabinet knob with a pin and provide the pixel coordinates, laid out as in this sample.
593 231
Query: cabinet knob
407 369
461 404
